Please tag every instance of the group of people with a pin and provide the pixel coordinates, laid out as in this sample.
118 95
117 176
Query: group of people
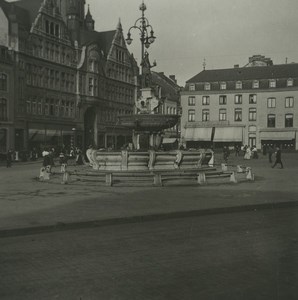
49 154
252 152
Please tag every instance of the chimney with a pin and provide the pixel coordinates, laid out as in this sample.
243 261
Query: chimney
173 78
236 66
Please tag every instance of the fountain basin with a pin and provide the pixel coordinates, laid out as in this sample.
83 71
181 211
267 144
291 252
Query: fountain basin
148 122
148 160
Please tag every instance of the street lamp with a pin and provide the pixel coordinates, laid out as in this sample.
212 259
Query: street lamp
146 31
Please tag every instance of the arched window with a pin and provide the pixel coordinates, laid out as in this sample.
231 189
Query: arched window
3 109
3 82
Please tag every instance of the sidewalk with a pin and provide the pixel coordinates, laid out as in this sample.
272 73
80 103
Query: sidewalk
29 206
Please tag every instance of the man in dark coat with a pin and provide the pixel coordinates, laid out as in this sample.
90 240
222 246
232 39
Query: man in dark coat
8 158
278 158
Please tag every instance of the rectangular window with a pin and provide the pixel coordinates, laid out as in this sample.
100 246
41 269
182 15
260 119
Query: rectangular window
222 99
207 86
289 102
222 114
191 101
290 82
238 99
39 107
192 87
205 100
3 109
3 82
191 115
238 115
252 116
57 108
271 120
34 107
271 102
252 99
255 84
47 107
90 84
52 108
28 107
272 83
289 120
238 85
205 115
223 85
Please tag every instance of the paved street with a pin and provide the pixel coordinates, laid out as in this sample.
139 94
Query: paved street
88 241
26 202
248 255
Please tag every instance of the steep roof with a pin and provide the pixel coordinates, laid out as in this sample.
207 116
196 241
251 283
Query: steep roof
16 14
169 88
103 39
31 7
247 73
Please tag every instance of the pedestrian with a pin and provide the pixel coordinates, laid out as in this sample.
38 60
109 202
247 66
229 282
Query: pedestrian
237 150
278 158
270 152
254 152
264 149
46 159
247 154
8 158
226 153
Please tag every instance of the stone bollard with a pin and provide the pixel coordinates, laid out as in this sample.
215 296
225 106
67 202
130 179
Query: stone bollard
240 169
44 173
249 174
201 178
233 178
63 168
224 167
65 178
211 161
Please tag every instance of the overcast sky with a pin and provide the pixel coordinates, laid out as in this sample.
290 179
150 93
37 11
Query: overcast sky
225 32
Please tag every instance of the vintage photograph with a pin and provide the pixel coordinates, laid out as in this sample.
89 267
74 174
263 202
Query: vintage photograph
148 150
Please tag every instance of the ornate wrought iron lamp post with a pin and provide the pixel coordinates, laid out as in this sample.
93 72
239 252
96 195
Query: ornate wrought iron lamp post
146 32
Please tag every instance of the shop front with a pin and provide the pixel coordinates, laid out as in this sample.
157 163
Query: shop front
283 139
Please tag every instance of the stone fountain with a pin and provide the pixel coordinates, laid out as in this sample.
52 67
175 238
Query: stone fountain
147 125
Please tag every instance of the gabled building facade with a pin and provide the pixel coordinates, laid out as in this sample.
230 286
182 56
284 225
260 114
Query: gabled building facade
168 91
254 105
70 81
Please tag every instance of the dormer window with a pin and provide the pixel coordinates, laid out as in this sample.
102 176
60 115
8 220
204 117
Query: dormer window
192 87
238 85
255 84
290 82
272 83
207 86
223 86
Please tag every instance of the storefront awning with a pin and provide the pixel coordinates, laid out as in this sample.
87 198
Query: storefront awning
228 134
277 135
169 140
198 134
37 135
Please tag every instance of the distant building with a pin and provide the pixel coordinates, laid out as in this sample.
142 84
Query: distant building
252 105
168 91
63 83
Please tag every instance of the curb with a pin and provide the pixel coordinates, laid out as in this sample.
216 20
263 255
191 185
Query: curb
140 219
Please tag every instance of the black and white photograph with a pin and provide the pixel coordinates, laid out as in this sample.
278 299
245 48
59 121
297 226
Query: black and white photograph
148 150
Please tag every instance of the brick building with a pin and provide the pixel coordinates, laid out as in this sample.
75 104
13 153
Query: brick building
63 83
251 105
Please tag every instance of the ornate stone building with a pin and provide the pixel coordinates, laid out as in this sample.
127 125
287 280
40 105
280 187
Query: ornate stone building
68 82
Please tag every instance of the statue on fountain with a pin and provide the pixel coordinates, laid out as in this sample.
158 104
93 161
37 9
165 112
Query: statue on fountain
147 103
